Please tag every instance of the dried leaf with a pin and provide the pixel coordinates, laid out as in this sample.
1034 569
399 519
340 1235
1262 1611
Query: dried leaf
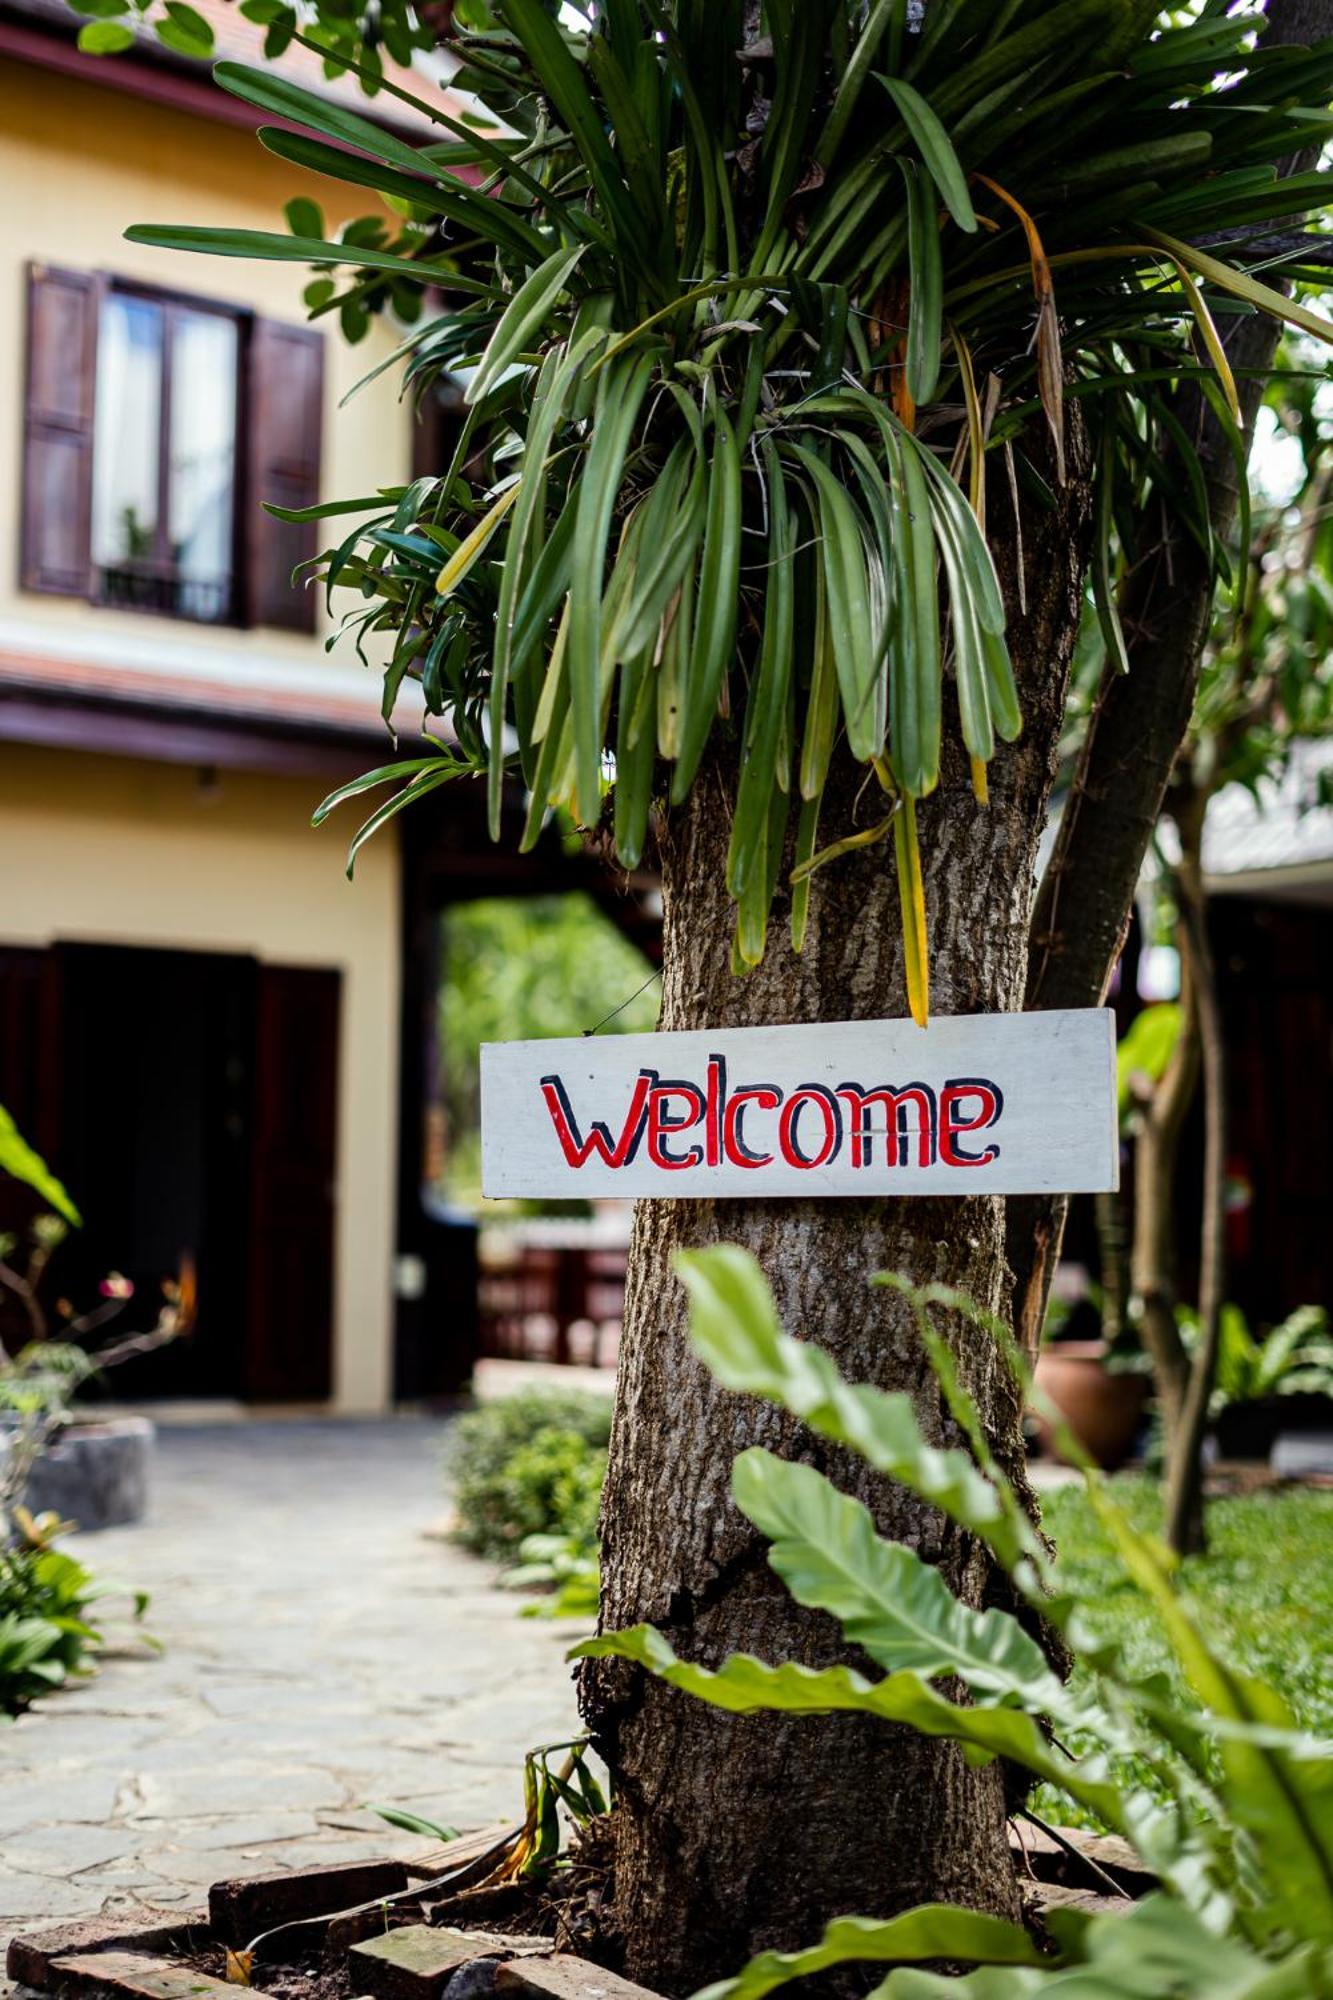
1050 360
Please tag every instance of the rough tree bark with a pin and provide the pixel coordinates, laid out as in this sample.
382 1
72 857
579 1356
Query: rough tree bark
734 1835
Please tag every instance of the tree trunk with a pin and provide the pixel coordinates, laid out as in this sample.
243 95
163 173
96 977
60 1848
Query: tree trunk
738 1834
1156 1164
1185 1528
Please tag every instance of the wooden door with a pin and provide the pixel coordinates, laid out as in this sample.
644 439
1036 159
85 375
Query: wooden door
289 1316
29 1090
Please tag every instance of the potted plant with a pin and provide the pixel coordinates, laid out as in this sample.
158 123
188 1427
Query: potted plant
1099 1385
1280 1381
52 1458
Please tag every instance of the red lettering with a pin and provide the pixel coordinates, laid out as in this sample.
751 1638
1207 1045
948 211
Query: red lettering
660 1123
716 1099
896 1106
989 1099
578 1151
788 1137
733 1136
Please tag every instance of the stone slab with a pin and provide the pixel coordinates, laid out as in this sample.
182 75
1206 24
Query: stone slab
143 1930
241 1909
286 1563
415 1963
464 1852
135 1977
1047 1860
1056 1896
561 1976
341 1933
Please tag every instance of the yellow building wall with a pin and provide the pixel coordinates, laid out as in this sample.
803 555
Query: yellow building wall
110 850
79 164
117 851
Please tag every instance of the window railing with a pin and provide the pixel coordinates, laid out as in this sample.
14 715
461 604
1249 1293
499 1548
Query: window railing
209 600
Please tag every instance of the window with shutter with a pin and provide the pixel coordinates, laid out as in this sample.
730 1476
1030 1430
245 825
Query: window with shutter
164 456
287 422
138 492
58 430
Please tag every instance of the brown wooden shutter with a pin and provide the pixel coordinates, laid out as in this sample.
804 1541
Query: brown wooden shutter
58 430
286 424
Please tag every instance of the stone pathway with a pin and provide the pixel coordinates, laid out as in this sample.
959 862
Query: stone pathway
321 1650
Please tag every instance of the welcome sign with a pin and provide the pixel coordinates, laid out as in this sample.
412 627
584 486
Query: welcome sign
973 1104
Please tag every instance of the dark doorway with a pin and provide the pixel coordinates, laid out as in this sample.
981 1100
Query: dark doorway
289 1297
155 1140
189 1103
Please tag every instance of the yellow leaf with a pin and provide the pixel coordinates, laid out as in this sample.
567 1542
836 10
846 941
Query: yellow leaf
240 1964
912 897
1050 361
471 546
1243 286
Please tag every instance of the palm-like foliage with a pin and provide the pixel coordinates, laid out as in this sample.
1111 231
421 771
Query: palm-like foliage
746 327
1243 1846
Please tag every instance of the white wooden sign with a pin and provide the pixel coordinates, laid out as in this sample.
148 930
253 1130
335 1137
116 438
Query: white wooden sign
973 1104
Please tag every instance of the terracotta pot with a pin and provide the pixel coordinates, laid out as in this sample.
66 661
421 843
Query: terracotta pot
1102 1409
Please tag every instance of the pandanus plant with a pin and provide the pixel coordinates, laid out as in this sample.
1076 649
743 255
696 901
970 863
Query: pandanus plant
758 311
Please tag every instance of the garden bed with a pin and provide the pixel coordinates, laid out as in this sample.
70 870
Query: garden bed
384 1930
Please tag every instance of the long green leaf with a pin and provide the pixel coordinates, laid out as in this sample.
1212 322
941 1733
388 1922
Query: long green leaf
853 78
718 605
386 774
932 1930
858 659
282 98
416 788
734 1328
527 312
19 1160
743 1685
493 217
620 394
890 1602
925 304
559 376
1242 286
915 661
1284 1799
936 149
281 249
562 79
1156 1951
767 705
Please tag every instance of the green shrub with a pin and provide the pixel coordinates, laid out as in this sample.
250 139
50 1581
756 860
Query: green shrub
45 1636
1237 1826
565 1568
529 1464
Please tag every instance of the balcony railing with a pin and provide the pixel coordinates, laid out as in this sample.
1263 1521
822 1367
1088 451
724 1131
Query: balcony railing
131 587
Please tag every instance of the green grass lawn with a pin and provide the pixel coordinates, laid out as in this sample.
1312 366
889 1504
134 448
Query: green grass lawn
1264 1593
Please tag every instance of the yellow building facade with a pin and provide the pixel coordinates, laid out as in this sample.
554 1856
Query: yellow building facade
158 767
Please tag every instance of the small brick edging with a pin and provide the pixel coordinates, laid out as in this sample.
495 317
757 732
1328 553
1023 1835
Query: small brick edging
338 1913
368 1916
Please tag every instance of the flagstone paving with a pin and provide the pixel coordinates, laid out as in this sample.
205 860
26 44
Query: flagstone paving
321 1651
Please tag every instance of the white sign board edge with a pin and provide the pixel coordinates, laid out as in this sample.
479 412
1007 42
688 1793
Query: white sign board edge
982 1104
